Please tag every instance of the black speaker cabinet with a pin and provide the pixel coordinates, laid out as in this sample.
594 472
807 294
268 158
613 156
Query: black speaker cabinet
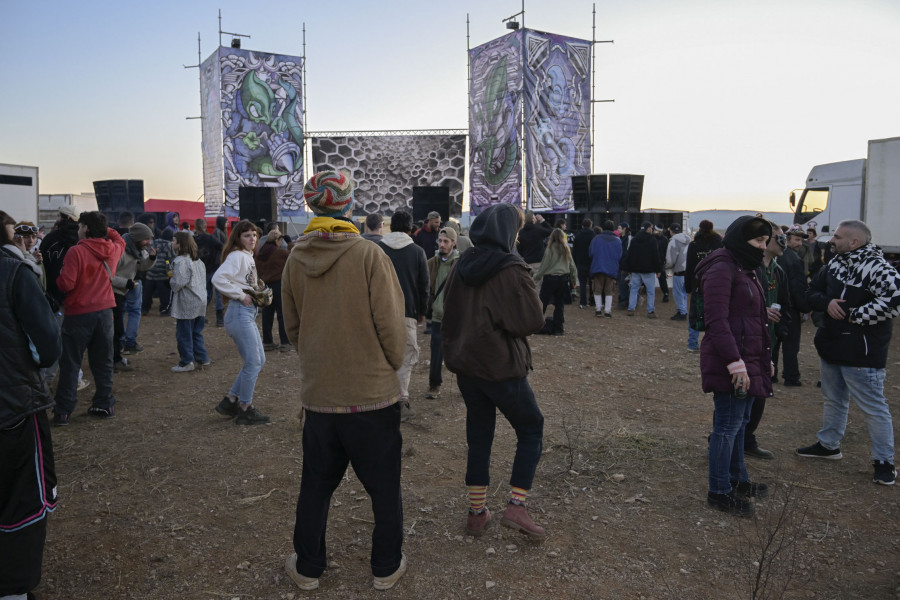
119 195
635 193
429 198
618 192
597 192
257 204
580 193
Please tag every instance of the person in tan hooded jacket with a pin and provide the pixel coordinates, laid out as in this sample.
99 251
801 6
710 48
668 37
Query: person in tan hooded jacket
344 313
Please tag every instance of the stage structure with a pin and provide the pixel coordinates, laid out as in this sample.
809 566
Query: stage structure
252 112
385 166
529 120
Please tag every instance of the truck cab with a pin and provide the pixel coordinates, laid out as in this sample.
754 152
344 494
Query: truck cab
834 192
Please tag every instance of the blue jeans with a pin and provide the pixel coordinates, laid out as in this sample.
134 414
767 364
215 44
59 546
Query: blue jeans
211 290
134 298
623 289
649 281
726 444
92 332
866 385
515 399
693 339
240 324
679 293
189 336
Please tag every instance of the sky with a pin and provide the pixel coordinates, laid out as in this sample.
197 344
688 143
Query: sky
718 103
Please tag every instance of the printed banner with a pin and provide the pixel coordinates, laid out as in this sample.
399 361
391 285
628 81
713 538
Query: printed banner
386 168
211 127
495 120
557 118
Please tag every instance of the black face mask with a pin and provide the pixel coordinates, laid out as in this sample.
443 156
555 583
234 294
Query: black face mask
736 237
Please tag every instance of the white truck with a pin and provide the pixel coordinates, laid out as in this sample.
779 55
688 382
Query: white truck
864 189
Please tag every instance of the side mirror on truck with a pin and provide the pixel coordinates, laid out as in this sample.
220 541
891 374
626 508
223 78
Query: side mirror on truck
793 200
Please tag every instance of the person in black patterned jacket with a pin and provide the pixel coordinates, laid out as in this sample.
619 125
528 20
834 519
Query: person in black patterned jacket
859 292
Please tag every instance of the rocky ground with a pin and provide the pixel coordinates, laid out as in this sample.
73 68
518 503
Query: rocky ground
169 500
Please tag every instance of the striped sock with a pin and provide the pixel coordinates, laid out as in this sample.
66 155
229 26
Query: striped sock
477 494
518 496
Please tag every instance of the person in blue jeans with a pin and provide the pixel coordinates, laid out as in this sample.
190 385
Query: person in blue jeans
235 277
131 310
188 304
735 358
859 293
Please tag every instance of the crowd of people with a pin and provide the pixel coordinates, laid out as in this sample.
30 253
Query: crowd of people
343 296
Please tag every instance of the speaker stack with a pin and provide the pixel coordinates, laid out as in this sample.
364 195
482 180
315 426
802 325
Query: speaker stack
257 204
429 198
115 196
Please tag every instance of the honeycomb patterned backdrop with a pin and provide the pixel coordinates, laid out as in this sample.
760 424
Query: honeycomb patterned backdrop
385 168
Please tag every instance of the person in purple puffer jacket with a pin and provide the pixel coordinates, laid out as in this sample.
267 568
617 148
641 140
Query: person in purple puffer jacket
735 357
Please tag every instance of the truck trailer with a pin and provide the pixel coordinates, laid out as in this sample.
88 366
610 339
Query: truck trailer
867 189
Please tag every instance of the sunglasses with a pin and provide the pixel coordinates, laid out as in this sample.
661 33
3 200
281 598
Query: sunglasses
27 229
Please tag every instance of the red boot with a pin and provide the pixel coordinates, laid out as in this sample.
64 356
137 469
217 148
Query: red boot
477 523
516 517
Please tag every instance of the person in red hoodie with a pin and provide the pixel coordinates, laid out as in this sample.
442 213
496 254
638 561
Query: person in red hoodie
88 323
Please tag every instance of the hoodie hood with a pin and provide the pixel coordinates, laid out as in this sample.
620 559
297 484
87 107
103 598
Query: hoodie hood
396 240
494 234
170 220
737 240
221 222
323 243
102 248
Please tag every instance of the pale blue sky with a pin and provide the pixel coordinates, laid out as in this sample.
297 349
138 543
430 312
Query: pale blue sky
720 104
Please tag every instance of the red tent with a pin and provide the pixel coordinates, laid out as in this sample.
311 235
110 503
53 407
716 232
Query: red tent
187 210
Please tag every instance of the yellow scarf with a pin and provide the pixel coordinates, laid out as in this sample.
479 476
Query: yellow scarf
330 225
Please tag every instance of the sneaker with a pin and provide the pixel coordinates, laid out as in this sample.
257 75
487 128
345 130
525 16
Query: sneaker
885 473
516 517
285 348
180 368
607 315
102 413
757 452
817 450
750 489
730 503
477 523
122 367
433 392
678 317
227 407
251 416
268 347
651 315
665 297
133 349
307 584
693 349
598 313
559 332
205 363
83 384
60 419
406 413
630 313
386 583
792 383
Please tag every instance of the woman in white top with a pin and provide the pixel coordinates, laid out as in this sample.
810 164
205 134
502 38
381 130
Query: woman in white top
237 274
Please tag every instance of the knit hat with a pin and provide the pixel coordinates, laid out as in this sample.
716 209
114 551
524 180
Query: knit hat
139 232
73 212
449 232
329 194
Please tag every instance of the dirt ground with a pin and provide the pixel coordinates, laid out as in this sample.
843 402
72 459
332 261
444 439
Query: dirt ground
170 500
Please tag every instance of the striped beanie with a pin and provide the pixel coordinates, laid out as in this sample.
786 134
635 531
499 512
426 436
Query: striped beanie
329 194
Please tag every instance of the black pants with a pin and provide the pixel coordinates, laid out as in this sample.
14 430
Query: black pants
790 349
756 414
371 442
553 290
270 312
584 283
663 283
160 288
92 332
118 327
437 356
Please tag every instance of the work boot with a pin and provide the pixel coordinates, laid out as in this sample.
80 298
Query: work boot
516 517
476 523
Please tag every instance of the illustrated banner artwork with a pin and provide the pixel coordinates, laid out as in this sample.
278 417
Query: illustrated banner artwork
386 168
262 123
557 118
495 119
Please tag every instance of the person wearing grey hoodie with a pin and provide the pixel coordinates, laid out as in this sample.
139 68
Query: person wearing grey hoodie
676 260
491 306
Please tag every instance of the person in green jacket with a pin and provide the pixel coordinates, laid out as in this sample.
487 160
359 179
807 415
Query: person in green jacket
559 277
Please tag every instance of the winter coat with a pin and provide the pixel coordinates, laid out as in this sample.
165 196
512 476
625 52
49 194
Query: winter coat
581 248
53 248
796 279
412 271
427 240
188 288
606 254
84 280
491 303
31 341
132 261
701 247
343 312
643 254
531 242
438 271
209 250
870 287
736 325
676 253
555 263
270 261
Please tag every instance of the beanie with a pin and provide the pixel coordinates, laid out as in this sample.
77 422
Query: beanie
329 194
139 232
